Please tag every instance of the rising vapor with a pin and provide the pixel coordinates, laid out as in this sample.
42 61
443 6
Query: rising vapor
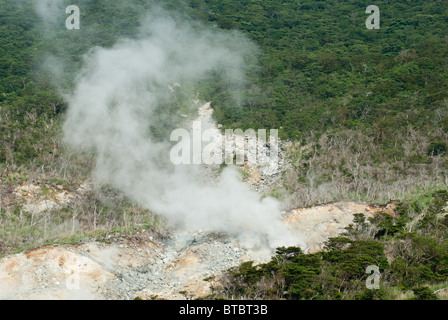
122 109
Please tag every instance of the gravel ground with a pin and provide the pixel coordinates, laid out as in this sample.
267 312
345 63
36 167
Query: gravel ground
177 265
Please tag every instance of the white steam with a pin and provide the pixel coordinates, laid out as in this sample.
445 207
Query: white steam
123 91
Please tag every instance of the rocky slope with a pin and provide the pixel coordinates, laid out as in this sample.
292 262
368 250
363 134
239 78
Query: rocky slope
150 266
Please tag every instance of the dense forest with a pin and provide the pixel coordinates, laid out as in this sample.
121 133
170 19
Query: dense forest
410 251
366 112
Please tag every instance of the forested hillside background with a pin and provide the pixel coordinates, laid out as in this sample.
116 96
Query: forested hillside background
366 112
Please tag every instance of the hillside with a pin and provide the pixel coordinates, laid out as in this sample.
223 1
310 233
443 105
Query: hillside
150 266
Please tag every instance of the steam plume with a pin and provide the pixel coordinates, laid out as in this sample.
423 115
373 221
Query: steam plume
122 97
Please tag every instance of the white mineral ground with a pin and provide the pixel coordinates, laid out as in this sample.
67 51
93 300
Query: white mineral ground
148 265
